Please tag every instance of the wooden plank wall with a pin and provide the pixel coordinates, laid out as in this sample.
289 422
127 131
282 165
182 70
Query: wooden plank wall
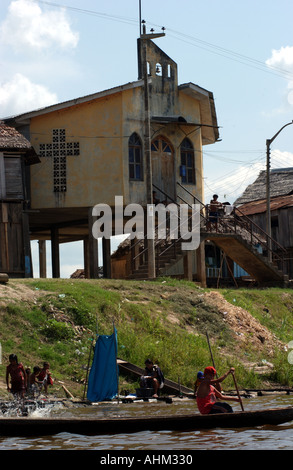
282 232
11 239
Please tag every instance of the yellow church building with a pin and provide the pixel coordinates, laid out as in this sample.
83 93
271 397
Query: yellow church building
138 141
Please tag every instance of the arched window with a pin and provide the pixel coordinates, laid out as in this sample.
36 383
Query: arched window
187 170
149 71
159 70
161 145
135 157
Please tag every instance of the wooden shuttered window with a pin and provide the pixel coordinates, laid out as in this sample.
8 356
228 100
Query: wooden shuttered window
11 179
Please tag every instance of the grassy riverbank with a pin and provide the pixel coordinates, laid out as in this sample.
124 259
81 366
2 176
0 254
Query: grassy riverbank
57 320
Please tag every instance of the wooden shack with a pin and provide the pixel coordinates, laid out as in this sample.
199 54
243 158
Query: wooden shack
16 156
253 204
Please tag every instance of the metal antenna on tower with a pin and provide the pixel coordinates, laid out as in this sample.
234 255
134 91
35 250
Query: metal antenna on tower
139 17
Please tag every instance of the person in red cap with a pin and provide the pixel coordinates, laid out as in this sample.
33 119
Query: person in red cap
215 382
210 369
207 394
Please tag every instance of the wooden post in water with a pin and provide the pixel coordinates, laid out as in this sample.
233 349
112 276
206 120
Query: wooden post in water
117 373
87 370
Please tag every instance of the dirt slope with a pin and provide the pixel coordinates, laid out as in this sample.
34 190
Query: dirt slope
245 326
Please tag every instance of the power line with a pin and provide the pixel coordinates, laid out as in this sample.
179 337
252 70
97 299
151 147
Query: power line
75 136
230 190
210 47
252 166
236 56
234 151
215 49
225 159
121 19
229 182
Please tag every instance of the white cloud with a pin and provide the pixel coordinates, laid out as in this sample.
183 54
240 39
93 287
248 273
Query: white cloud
20 95
27 26
283 59
232 186
281 159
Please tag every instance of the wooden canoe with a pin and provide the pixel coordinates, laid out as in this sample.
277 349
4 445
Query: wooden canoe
26 426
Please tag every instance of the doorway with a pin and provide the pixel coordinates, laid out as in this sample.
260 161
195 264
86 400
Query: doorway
163 168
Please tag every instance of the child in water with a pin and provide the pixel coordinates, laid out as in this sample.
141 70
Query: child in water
44 376
16 372
33 383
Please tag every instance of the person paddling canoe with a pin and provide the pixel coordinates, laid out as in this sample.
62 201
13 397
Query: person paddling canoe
216 381
207 394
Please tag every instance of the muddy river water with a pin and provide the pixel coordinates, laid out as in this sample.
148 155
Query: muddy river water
257 438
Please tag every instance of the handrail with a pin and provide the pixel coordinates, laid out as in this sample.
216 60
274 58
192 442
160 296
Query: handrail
190 193
175 202
254 234
241 224
158 242
165 194
260 229
238 219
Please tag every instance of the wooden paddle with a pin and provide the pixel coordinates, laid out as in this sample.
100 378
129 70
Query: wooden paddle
218 385
236 386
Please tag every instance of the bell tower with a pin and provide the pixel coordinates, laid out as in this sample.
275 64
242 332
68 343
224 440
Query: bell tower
160 67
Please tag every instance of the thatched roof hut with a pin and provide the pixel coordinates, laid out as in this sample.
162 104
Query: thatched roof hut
281 184
11 140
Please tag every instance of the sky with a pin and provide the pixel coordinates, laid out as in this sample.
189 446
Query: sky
241 51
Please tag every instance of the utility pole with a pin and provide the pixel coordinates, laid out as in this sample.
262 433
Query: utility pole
147 148
268 194
268 191
139 8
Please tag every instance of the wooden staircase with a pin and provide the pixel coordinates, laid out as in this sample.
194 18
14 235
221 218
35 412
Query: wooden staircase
237 236
167 254
258 266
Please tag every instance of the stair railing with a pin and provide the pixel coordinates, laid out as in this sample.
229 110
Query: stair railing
279 253
160 245
238 222
174 244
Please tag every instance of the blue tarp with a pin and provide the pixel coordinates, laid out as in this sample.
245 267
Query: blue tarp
103 376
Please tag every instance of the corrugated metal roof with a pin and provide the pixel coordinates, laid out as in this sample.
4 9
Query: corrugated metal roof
260 206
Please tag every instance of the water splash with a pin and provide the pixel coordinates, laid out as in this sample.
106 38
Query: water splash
25 407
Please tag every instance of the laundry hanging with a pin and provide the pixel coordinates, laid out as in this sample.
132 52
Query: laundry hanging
103 376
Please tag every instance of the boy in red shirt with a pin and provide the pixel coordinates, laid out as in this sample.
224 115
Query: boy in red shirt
207 394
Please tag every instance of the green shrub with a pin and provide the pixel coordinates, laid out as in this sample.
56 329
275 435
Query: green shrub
55 330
